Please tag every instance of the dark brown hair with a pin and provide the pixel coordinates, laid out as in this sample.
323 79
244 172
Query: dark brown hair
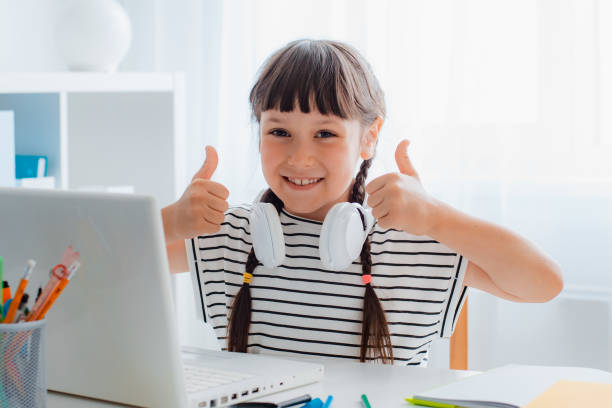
335 79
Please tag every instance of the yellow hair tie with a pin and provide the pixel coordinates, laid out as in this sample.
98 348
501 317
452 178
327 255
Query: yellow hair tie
246 277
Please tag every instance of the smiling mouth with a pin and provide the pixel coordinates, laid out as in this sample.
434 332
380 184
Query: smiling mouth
302 181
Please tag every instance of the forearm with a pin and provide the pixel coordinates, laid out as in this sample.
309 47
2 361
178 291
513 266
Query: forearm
175 247
168 223
514 264
177 257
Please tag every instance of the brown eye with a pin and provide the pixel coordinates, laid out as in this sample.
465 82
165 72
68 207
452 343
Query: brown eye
324 134
279 132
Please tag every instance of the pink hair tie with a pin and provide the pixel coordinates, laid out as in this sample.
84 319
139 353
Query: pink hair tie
366 279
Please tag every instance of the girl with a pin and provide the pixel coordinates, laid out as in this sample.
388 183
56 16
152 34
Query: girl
320 110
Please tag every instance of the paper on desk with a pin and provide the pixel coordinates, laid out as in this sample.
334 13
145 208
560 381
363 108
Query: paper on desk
569 394
510 386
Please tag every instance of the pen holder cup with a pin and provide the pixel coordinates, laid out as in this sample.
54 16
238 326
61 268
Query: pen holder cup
22 369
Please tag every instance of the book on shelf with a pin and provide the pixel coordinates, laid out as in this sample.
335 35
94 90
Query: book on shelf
29 166
7 148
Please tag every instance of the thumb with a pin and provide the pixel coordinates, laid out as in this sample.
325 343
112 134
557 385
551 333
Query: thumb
209 166
403 161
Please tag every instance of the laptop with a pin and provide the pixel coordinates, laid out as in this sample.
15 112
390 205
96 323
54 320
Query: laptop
112 334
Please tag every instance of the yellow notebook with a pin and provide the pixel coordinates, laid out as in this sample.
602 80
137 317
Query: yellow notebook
515 386
569 394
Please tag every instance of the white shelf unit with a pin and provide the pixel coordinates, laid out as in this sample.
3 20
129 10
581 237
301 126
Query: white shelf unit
102 129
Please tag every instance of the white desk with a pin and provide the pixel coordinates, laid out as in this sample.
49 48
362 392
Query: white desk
385 386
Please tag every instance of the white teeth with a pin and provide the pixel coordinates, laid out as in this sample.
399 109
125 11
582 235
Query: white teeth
302 182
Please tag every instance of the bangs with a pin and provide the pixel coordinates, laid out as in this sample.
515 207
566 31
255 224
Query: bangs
308 75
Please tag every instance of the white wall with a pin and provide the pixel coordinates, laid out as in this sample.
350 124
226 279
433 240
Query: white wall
23 48
27 30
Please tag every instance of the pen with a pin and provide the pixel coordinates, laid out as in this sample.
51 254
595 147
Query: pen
16 303
424 403
20 310
53 296
295 401
299 400
364 399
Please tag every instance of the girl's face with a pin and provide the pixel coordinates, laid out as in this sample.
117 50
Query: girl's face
309 159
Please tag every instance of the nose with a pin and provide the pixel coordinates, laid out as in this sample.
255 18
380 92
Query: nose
301 155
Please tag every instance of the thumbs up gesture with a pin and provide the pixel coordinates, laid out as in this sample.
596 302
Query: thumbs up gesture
201 208
398 200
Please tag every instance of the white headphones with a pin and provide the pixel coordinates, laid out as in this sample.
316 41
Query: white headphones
345 229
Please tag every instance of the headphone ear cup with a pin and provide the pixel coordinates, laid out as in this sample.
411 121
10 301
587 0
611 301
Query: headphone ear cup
326 252
342 235
267 235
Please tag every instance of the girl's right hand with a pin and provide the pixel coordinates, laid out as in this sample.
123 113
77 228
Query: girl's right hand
201 208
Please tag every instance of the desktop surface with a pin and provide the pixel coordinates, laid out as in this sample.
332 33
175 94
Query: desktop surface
385 386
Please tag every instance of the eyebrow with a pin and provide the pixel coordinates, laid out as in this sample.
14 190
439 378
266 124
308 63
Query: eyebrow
318 122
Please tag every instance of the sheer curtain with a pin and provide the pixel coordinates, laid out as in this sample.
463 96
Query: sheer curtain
507 104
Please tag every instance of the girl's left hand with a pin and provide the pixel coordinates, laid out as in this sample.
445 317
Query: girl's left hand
399 201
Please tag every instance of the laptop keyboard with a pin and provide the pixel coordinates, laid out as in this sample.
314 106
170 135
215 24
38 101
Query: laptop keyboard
200 378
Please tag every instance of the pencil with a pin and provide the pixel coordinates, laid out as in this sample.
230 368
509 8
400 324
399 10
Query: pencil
10 315
415 401
54 295
364 399
58 273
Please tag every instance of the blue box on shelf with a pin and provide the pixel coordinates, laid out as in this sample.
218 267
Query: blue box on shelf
27 166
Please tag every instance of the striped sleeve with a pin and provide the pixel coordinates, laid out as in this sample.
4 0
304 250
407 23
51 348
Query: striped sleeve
455 297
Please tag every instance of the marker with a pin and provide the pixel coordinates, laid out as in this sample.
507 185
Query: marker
6 291
424 403
313 403
1 277
5 308
20 310
10 316
364 399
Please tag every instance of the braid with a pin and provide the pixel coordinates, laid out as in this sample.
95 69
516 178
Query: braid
358 191
375 338
240 316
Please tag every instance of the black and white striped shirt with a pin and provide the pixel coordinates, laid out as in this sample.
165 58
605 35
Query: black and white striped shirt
301 308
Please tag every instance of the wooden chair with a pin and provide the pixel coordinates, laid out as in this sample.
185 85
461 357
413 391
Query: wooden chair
459 341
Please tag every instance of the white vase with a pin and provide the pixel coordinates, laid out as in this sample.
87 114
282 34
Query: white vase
93 35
